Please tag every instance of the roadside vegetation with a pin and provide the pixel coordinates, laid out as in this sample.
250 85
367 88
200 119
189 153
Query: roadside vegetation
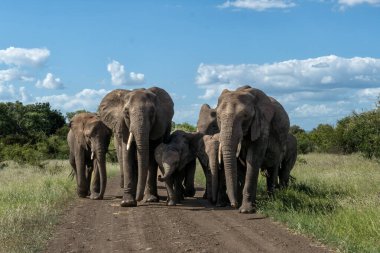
333 198
31 199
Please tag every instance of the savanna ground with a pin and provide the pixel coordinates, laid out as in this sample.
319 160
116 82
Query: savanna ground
334 199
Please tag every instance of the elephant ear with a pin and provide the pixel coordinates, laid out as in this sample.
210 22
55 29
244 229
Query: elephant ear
264 112
77 124
207 120
164 114
197 147
111 109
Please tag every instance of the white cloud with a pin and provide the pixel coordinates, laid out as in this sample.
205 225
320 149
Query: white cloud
307 110
327 71
7 75
87 99
351 3
259 5
315 90
119 75
10 93
50 82
24 56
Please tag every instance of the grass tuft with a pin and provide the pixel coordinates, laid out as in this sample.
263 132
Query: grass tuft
31 198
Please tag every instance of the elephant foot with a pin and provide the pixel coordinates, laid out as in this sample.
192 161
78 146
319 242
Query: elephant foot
221 204
82 194
151 198
171 203
96 196
234 205
190 192
247 207
128 201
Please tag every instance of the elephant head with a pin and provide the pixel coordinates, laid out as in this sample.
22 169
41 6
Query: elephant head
181 148
89 139
244 115
137 117
207 123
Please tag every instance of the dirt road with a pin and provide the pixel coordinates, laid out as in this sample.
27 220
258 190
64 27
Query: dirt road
193 226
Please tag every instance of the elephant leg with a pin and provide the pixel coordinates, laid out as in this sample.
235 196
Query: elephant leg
150 192
207 174
172 198
189 179
179 189
120 161
222 199
255 157
130 176
82 184
241 179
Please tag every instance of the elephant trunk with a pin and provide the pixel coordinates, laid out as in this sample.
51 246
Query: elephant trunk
100 162
81 178
141 136
229 144
169 170
214 168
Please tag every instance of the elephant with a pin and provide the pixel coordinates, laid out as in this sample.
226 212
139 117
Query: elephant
177 162
287 163
207 123
253 128
88 140
215 179
141 120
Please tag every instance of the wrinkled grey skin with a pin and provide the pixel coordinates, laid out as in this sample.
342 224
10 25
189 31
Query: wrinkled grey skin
177 161
287 163
147 115
88 140
215 179
207 125
248 116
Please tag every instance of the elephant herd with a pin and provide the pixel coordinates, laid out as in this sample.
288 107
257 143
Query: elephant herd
247 132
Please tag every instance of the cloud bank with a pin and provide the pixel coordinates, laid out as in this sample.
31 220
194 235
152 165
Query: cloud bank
328 86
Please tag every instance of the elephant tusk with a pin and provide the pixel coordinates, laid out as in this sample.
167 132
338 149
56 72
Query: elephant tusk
238 149
130 139
220 153
92 155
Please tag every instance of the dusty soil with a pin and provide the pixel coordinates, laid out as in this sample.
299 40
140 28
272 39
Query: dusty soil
193 226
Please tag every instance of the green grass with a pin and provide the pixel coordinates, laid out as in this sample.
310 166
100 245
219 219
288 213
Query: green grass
334 198
31 198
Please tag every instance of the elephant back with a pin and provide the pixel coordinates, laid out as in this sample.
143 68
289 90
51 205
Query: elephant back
111 108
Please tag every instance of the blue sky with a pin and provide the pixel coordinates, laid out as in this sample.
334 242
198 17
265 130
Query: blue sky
320 59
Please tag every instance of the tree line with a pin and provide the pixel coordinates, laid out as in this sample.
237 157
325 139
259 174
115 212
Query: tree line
36 132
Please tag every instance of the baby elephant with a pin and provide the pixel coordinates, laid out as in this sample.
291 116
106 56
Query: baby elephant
286 165
177 161
288 161
88 141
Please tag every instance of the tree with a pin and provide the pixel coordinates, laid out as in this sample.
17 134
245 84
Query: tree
70 115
